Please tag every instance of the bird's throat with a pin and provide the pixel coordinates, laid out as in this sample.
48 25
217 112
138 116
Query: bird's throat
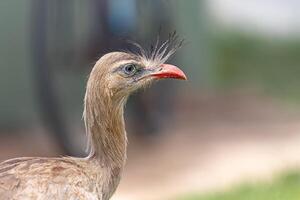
105 129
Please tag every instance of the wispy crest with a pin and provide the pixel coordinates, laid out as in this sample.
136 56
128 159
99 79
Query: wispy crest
159 52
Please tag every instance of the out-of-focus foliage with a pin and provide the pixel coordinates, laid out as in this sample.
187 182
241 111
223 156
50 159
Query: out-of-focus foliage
272 65
286 187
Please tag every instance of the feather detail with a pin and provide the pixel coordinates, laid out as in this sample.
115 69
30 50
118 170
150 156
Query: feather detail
159 52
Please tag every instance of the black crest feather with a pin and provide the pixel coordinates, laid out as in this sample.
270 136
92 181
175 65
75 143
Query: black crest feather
159 52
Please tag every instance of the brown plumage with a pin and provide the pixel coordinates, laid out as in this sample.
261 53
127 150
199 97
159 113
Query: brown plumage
111 81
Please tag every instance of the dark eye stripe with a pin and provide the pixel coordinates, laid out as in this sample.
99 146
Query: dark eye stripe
122 64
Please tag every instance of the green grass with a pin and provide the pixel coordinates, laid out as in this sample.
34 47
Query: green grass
286 187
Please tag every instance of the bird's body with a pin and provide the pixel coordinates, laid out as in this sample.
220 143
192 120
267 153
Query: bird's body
97 176
53 178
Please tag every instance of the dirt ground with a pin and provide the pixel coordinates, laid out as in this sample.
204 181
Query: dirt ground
215 142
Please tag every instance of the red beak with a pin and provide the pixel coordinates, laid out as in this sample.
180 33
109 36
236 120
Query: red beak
169 71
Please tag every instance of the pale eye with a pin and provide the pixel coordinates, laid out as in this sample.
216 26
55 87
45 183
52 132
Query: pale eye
130 69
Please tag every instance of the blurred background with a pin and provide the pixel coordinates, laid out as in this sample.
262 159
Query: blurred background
232 131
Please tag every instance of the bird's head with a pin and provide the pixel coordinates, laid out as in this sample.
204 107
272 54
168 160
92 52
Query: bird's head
121 73
114 77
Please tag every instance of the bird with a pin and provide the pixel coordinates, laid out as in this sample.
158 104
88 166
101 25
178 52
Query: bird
95 177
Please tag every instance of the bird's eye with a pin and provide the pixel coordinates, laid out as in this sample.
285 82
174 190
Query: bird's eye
130 69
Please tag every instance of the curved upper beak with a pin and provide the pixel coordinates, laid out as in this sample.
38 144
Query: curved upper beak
168 71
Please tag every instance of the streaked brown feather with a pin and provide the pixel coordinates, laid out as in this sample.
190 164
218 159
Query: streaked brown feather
23 178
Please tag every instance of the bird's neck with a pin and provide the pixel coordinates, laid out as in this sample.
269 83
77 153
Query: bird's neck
105 128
